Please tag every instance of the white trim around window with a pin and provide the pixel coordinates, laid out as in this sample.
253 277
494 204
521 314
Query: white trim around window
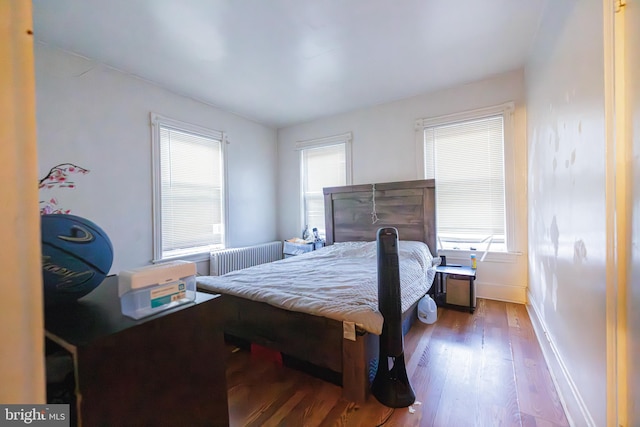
158 123
302 147
507 111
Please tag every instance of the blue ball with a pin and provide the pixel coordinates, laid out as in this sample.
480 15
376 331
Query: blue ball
76 257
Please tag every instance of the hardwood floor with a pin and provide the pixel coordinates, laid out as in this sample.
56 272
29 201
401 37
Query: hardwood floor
484 369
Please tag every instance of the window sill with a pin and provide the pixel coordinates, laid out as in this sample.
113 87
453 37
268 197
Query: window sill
456 255
194 257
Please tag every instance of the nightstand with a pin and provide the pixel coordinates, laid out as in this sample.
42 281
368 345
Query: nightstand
290 249
455 286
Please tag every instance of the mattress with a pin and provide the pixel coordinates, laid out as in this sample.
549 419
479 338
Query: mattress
338 282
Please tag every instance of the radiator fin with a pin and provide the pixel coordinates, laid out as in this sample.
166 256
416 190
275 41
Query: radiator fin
224 261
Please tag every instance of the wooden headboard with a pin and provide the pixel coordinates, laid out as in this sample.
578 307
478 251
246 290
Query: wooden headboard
409 206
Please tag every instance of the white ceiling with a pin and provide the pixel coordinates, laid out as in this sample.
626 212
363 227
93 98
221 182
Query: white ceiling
281 62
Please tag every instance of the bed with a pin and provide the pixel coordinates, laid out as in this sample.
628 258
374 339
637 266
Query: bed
340 343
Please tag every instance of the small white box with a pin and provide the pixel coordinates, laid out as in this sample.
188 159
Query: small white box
148 290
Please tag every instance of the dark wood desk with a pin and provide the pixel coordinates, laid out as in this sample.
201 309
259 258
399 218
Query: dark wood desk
166 369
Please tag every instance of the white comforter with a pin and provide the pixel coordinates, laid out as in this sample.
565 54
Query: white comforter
338 282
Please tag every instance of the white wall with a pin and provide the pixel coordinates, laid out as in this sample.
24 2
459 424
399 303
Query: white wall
567 233
98 118
384 150
632 43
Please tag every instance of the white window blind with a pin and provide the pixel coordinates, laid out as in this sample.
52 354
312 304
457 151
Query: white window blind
324 163
466 158
191 190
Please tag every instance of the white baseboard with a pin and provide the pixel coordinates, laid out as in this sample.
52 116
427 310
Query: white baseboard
574 407
517 294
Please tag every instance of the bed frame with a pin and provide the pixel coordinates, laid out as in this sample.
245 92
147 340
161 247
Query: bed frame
315 341
408 206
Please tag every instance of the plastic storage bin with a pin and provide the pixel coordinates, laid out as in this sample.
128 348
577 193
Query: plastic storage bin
149 290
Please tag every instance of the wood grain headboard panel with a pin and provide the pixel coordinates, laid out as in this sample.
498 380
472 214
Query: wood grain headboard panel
409 206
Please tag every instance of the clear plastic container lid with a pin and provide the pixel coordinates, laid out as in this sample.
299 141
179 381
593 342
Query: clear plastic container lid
157 274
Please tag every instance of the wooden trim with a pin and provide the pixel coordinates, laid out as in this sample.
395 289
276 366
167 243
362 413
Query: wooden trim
574 406
618 210
22 372
624 213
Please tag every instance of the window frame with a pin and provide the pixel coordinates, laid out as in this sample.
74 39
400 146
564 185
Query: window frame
344 138
158 121
507 110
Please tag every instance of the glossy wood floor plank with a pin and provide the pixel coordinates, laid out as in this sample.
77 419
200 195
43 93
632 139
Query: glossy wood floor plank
538 395
484 369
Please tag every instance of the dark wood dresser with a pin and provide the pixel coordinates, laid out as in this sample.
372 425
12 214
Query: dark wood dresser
166 369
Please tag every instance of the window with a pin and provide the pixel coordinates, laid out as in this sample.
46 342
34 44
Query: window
189 188
465 153
324 162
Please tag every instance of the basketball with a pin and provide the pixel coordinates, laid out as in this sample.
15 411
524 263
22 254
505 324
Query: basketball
76 257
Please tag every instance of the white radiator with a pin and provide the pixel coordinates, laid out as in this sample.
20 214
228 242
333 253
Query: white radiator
226 260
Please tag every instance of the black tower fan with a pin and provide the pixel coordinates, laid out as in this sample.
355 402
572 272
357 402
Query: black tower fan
390 386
